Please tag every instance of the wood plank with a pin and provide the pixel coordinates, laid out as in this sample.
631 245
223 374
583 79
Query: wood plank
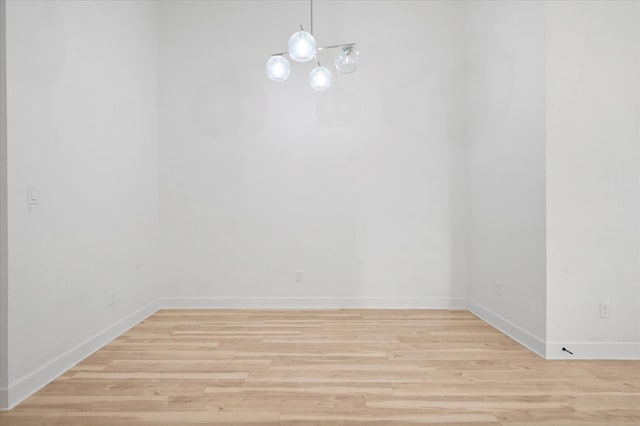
329 367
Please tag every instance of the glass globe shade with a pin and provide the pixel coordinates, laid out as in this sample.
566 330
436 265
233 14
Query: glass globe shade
302 46
348 60
320 78
278 68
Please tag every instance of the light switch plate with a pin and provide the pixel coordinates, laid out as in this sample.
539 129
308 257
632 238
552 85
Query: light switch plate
33 195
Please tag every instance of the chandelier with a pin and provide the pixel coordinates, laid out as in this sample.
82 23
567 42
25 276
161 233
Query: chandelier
303 48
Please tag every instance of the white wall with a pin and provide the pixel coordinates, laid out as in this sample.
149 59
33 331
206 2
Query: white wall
417 181
593 175
362 187
4 301
82 127
505 128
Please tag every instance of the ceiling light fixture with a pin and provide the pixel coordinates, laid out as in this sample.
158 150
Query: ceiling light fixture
303 48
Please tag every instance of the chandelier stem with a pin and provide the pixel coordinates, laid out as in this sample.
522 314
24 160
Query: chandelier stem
311 7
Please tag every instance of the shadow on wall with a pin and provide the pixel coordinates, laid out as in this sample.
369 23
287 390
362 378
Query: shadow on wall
234 105
428 88
338 107
229 106
42 59
491 86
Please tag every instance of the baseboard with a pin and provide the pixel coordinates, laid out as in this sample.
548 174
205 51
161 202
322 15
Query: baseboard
313 302
594 350
27 385
517 333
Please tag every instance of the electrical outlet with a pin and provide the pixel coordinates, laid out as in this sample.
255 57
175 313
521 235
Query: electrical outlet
498 288
604 310
299 276
112 297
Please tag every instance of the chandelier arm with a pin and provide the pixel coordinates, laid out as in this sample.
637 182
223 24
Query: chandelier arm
337 45
318 49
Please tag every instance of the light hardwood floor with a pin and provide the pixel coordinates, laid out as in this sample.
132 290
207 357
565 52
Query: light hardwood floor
329 367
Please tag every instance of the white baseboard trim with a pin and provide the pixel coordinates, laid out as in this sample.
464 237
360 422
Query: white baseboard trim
594 350
25 386
313 302
517 333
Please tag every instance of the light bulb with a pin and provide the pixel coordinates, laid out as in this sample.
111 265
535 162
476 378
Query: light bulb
348 60
302 46
278 68
320 78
